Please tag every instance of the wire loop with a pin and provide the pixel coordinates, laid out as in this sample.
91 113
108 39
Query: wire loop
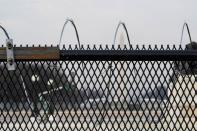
125 28
185 24
76 32
5 32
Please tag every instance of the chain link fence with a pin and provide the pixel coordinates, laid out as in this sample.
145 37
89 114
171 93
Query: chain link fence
102 88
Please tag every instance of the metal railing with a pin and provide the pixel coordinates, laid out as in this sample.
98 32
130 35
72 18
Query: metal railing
102 88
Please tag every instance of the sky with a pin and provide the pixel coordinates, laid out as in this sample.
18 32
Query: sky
148 21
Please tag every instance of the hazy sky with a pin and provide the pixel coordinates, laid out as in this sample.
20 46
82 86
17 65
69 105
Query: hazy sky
148 21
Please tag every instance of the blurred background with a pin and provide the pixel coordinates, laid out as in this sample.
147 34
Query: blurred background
148 22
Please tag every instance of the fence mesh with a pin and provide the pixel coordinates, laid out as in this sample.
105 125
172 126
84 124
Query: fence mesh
99 94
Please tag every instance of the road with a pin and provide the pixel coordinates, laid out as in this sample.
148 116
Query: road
91 120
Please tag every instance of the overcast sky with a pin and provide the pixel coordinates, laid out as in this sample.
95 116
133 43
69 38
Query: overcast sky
148 21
